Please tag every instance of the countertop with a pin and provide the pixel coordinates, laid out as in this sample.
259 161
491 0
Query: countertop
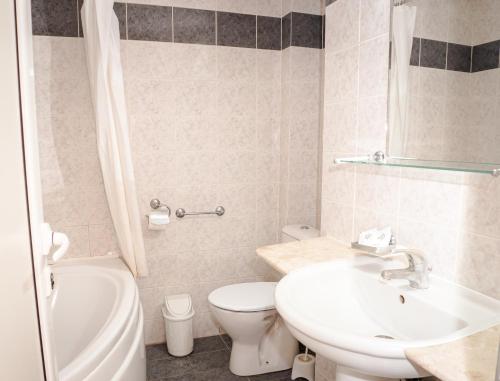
472 358
285 257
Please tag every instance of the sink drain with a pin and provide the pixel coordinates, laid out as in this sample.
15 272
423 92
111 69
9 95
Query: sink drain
384 337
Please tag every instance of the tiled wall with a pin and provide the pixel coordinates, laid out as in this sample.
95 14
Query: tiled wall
301 88
456 105
453 217
442 213
205 118
192 22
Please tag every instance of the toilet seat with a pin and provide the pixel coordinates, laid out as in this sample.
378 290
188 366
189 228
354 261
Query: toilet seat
244 297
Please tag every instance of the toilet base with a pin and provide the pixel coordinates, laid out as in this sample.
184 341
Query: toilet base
274 353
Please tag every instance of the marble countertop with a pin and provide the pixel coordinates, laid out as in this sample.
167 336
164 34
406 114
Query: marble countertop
285 257
472 358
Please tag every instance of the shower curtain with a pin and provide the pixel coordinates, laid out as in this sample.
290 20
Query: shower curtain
403 26
102 45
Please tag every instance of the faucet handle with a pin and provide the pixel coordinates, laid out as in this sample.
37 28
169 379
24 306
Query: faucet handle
415 257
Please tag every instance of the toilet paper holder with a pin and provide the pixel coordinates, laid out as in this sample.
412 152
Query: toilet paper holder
156 204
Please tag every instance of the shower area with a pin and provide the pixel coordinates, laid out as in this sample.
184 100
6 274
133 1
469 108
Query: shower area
222 100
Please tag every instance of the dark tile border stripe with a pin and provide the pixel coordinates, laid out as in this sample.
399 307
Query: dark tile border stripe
158 25
286 31
268 33
237 30
459 58
485 56
455 57
415 52
55 17
182 25
194 26
433 53
307 30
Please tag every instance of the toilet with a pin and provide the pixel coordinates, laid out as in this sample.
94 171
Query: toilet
246 312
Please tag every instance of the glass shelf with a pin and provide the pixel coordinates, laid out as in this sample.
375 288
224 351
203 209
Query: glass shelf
487 168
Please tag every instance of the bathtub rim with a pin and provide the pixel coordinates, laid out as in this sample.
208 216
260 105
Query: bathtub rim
125 307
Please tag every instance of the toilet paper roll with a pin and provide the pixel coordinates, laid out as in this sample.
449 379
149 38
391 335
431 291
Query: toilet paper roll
158 220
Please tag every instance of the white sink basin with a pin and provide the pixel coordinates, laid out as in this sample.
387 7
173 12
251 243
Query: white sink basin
339 308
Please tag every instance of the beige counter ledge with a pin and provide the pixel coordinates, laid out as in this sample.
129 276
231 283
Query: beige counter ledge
472 358
286 257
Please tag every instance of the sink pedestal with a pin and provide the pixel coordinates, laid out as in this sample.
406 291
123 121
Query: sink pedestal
346 374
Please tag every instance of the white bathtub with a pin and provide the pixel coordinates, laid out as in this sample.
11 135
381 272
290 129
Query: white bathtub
98 322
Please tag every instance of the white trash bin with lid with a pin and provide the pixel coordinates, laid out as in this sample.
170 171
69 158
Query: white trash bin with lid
178 315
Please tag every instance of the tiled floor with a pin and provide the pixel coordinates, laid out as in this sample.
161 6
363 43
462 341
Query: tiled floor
208 362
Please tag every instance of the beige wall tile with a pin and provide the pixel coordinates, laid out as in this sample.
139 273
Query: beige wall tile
236 133
103 240
236 64
338 184
337 221
269 8
79 238
432 20
378 188
430 202
374 18
342 25
268 65
373 67
340 128
305 64
372 128
269 100
206 129
478 263
307 6
239 6
449 216
236 98
341 75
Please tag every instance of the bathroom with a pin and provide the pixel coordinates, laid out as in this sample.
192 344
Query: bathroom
185 155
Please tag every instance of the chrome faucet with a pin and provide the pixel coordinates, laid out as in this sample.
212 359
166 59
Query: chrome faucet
417 272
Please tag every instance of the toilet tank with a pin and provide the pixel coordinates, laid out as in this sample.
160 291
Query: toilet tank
291 233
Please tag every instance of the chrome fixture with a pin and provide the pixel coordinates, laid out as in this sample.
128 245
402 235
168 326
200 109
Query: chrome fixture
378 157
182 212
417 272
157 204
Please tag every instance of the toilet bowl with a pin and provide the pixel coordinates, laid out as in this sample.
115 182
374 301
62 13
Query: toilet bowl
261 341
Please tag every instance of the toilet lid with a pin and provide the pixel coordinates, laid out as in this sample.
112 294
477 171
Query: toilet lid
244 297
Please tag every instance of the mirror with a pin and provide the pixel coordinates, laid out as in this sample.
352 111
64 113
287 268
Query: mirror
444 96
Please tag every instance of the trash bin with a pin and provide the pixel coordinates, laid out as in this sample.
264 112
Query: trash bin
178 315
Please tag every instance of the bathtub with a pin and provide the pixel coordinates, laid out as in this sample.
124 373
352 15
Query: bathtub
97 321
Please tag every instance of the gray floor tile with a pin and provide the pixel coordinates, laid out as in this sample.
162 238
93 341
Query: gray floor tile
204 344
284 375
195 363
208 362
208 375
227 340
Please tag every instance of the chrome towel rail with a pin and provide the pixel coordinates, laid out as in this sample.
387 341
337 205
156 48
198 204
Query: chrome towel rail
182 212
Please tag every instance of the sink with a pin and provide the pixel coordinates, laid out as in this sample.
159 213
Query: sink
344 311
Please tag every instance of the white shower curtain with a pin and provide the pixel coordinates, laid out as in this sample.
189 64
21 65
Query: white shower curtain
102 45
403 26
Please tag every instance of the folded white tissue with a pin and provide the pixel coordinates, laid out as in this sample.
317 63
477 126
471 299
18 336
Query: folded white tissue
158 220
376 237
